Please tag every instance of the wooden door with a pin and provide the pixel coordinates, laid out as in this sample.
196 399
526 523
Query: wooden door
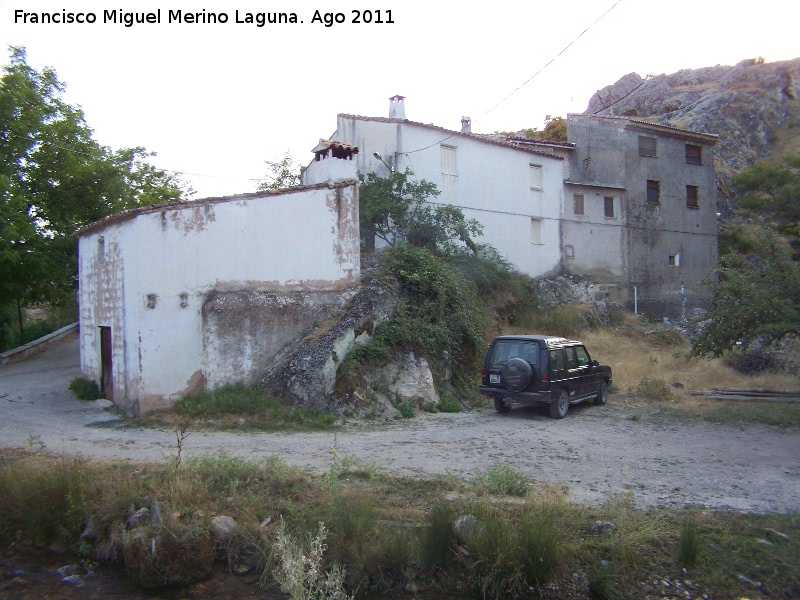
106 377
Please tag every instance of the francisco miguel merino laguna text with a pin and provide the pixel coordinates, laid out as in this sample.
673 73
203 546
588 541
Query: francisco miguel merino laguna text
128 19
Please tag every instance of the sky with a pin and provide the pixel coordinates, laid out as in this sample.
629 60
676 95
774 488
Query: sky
216 100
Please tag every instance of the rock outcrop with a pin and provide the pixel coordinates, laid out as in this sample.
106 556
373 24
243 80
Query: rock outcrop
306 375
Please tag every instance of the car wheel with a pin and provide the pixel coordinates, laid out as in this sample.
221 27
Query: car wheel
516 374
501 406
559 407
602 393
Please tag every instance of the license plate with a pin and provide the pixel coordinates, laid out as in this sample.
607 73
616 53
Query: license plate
494 378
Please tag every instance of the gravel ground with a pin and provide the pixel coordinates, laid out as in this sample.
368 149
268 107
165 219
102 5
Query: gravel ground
595 452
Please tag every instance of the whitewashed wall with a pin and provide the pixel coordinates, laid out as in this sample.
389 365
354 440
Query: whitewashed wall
493 183
299 240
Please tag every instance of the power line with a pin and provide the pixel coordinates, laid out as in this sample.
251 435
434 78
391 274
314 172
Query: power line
527 81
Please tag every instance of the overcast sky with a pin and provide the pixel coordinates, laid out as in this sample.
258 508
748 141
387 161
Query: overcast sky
217 100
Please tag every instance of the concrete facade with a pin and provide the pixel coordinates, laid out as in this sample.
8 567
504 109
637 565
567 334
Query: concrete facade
515 192
640 210
176 298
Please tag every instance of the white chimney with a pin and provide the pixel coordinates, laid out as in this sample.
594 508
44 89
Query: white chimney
466 125
397 107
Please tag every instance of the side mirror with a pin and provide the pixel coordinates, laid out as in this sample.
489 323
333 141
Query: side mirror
595 363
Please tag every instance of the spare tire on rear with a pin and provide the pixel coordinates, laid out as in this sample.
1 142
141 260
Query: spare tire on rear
516 375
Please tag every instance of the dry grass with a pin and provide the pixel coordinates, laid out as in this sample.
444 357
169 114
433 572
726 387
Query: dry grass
639 352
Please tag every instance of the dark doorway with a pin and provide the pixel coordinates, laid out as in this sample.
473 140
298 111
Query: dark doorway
106 377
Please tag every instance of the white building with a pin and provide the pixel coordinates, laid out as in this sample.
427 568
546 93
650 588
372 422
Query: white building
516 192
174 298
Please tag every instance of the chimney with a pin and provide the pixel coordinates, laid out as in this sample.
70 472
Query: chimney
397 107
466 125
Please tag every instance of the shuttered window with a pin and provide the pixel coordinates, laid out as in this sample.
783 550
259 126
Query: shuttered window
653 191
691 196
577 200
536 177
694 154
647 146
608 207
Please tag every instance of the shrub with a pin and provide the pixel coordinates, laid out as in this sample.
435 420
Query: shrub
689 545
652 388
84 389
501 480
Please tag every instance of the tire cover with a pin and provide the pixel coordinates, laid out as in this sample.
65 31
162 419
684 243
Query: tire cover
516 375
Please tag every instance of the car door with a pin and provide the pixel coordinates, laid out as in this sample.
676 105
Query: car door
578 369
585 371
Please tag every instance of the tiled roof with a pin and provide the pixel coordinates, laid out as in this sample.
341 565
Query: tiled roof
450 133
152 208
325 144
666 130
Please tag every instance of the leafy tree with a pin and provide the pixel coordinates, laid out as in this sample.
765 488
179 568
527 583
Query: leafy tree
771 191
395 209
282 174
756 298
555 129
55 178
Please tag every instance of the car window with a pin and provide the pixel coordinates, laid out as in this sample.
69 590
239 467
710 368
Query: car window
572 360
556 360
582 356
505 350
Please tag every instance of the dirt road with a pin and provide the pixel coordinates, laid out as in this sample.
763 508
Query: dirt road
595 452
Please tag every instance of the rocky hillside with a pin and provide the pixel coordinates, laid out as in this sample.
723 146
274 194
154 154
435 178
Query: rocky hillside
753 106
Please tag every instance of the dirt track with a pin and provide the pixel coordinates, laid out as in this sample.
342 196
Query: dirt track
595 452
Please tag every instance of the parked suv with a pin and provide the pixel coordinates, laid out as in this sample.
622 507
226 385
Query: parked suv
538 369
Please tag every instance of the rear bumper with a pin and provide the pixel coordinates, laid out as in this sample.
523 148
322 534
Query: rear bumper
521 397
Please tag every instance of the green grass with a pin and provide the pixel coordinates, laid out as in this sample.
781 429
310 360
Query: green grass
501 480
237 406
85 389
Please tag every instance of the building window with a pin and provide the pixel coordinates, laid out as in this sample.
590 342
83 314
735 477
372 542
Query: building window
647 146
536 231
449 171
694 154
653 191
608 207
577 200
691 196
101 249
674 260
536 177
449 161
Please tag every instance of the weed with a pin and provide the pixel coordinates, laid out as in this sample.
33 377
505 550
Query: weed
84 389
407 410
501 480
300 572
653 389
438 539
448 403
689 545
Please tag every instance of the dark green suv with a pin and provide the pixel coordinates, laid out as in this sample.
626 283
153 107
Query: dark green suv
539 369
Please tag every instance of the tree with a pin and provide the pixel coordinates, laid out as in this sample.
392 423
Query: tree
555 129
395 209
55 178
282 174
771 191
756 298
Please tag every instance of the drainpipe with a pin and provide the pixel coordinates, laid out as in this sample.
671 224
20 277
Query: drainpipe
635 301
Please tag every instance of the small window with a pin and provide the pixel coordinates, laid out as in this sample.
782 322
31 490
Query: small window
674 260
694 154
691 196
647 146
536 231
536 177
101 249
653 192
608 207
577 200
449 161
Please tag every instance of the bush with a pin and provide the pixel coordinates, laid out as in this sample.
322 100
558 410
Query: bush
652 388
501 480
84 389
